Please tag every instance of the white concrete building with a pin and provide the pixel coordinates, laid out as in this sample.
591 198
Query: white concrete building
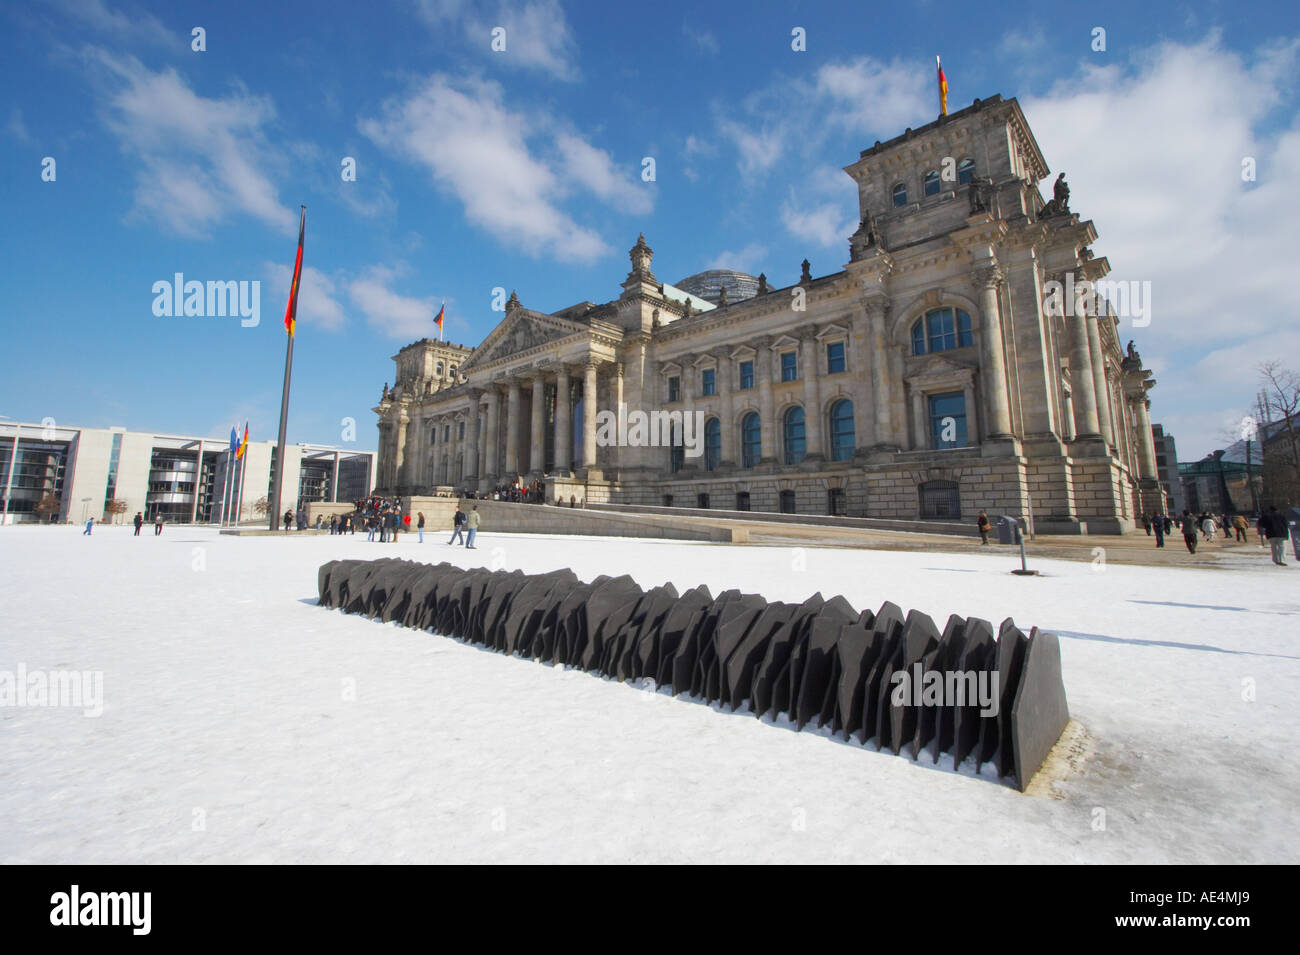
52 472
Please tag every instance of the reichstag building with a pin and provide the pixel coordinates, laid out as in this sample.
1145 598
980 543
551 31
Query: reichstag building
930 377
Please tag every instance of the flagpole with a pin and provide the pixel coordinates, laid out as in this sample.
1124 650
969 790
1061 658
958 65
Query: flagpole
288 372
229 487
239 495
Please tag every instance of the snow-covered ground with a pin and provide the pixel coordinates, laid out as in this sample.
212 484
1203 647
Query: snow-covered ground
242 723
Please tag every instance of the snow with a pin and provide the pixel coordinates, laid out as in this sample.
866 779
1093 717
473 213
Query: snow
242 723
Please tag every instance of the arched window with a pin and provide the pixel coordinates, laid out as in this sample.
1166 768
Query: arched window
941 329
437 368
751 440
900 195
842 438
931 184
795 445
712 444
940 499
965 171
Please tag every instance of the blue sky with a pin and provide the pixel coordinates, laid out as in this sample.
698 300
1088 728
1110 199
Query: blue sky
522 169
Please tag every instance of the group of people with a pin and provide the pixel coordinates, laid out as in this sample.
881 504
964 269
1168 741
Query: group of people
1271 526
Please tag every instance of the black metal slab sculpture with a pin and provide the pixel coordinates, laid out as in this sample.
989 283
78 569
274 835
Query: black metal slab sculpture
881 676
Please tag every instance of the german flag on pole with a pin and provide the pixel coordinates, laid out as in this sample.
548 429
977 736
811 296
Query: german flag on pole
243 445
291 312
943 88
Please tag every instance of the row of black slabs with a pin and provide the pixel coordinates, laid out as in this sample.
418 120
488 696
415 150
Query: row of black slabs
819 662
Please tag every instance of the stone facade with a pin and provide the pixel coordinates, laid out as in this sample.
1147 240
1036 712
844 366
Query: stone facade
932 376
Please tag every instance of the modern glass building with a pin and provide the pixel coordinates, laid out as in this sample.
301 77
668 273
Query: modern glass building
51 474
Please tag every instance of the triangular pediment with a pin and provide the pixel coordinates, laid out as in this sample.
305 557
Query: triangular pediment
521 331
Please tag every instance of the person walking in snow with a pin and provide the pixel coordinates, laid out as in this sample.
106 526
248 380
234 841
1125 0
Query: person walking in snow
157 524
90 523
138 521
419 525
1158 522
457 525
1275 527
983 524
1239 528
473 521
1189 532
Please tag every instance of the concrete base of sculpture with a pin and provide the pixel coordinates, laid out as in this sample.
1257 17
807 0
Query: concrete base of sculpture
888 677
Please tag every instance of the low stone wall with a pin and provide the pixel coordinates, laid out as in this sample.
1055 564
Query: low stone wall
864 676
508 517
869 523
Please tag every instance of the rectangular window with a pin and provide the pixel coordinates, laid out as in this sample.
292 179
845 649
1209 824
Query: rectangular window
834 358
746 375
742 500
789 366
948 420
708 382
835 501
460 432
674 388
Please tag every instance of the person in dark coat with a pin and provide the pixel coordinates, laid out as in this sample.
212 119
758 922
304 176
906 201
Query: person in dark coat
139 522
983 525
1169 524
288 521
457 526
157 524
1277 532
1189 532
1158 522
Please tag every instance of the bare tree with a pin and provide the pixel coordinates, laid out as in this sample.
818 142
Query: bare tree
1279 401
262 506
115 507
48 505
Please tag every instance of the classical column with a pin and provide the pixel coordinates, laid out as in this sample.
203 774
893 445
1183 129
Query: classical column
493 438
766 404
470 470
512 429
537 433
1081 380
812 405
727 457
997 422
399 456
877 314
1146 443
589 414
919 422
563 420
972 414
1099 379
1068 417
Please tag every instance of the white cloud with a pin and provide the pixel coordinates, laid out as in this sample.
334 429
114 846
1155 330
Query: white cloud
200 158
143 27
477 149
865 97
318 305
823 225
594 168
749 259
705 40
538 36
17 128
1153 154
400 316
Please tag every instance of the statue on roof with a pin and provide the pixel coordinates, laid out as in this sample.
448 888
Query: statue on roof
722 297
762 283
806 275
1060 202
